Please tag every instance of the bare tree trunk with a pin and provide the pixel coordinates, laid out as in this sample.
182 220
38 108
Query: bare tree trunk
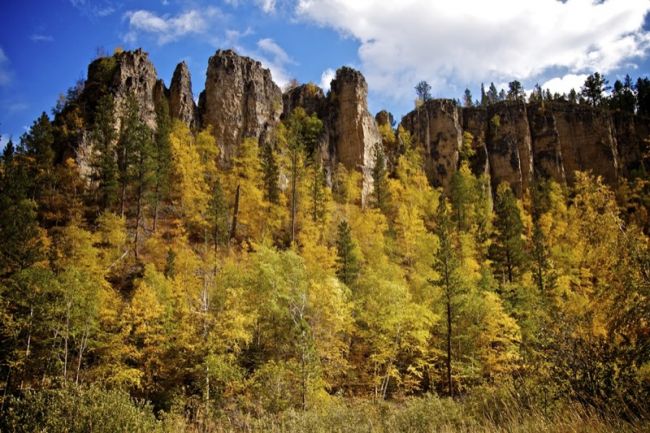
82 347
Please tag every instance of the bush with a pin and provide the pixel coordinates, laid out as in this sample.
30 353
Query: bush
78 410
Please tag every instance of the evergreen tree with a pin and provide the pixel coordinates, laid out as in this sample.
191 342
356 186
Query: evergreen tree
492 94
347 257
423 91
447 265
104 161
516 91
508 249
594 87
467 99
484 98
380 180
643 96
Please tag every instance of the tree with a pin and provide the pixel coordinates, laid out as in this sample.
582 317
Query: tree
643 96
594 87
516 91
484 98
492 94
423 91
271 173
347 255
447 265
380 192
623 97
104 162
467 98
508 249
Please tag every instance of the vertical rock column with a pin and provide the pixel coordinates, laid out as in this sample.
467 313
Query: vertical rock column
352 129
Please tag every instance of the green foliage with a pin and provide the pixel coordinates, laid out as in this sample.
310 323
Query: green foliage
347 261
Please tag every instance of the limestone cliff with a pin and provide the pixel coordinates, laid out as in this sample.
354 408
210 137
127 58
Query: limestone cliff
181 98
240 101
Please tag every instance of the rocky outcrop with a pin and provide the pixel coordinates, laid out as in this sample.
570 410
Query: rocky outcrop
384 118
509 146
126 74
353 132
587 140
181 98
308 96
437 126
240 101
547 150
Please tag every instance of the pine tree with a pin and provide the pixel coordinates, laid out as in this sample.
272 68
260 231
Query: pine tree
467 98
104 162
594 87
447 265
347 256
508 250
380 191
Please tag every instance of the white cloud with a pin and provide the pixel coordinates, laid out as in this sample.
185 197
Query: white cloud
565 84
5 74
279 55
326 79
99 8
169 28
469 41
37 37
268 6
273 57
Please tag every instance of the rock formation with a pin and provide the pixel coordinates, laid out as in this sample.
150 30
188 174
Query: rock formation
125 74
512 141
353 132
547 150
308 96
509 146
437 126
587 140
181 98
240 100
474 122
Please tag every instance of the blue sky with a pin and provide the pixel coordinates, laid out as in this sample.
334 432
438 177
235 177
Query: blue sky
45 46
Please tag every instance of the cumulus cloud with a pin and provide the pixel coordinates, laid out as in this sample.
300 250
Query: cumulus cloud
269 46
326 79
566 83
469 41
168 28
5 74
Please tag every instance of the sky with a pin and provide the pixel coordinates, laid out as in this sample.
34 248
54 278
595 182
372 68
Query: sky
46 46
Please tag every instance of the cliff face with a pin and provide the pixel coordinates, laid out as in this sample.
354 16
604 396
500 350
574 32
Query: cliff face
512 141
547 150
125 74
352 130
587 141
240 101
181 98
437 125
475 122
